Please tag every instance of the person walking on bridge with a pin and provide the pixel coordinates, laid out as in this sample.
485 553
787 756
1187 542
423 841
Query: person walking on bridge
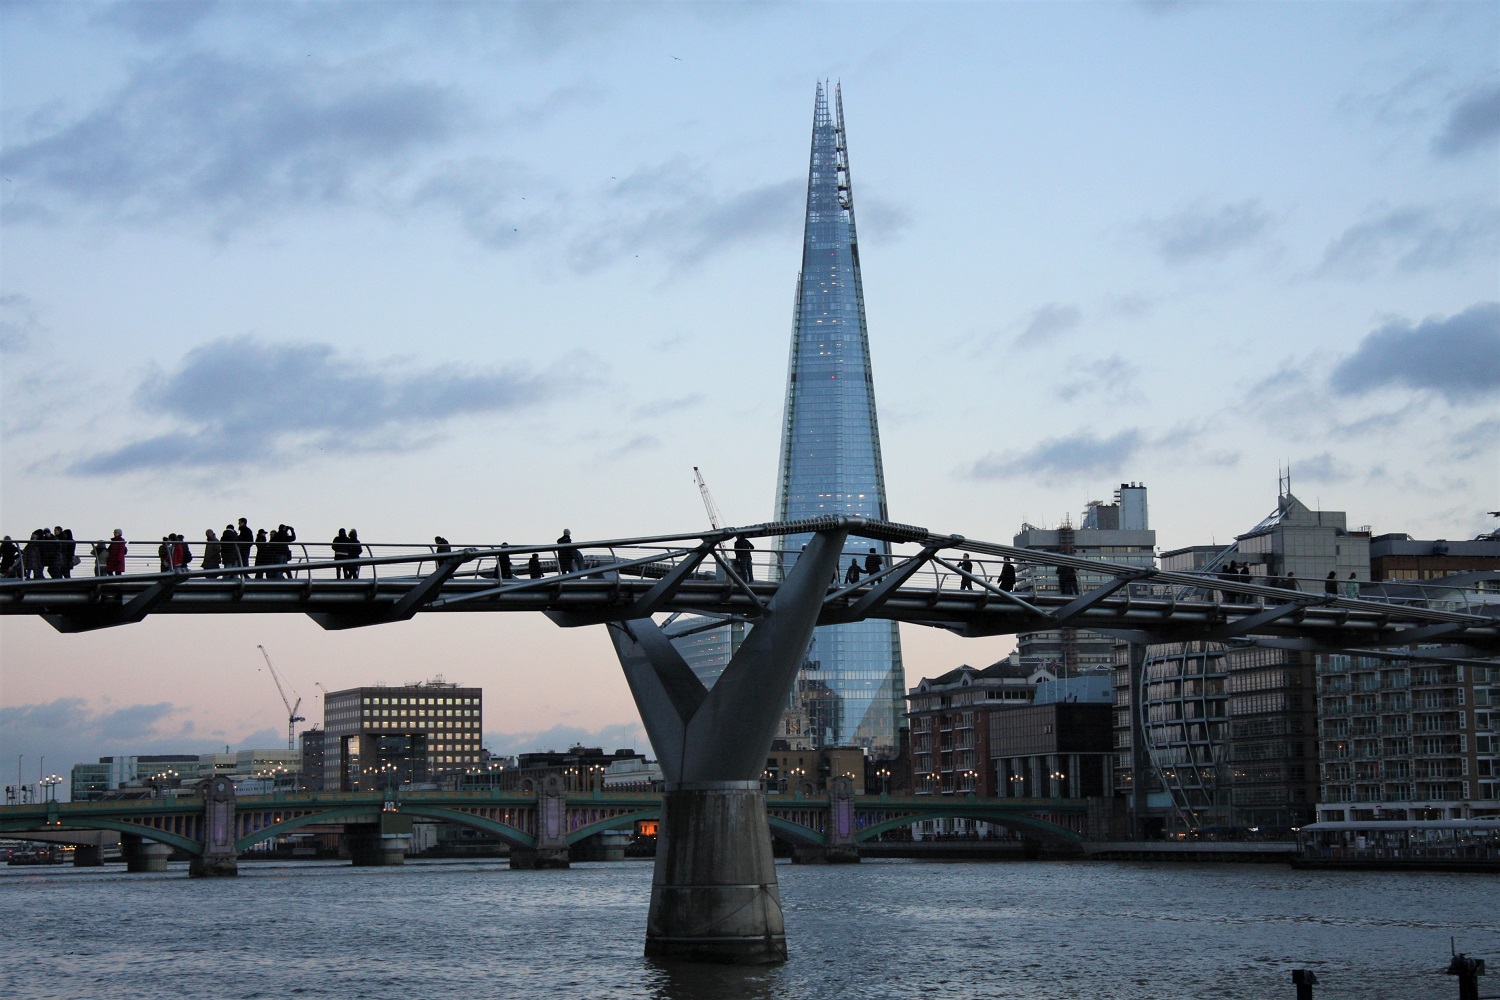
212 551
966 569
742 563
872 563
114 562
566 554
1008 575
852 574
534 566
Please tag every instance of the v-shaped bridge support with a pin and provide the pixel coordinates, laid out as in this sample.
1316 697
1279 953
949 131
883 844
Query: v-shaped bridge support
714 897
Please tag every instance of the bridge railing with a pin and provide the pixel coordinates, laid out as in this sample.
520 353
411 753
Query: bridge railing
949 570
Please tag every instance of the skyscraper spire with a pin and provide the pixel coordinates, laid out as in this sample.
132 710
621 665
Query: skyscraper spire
853 688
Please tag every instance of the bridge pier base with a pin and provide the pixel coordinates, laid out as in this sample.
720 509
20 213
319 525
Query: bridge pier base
375 849
87 855
144 855
535 859
213 866
819 855
714 897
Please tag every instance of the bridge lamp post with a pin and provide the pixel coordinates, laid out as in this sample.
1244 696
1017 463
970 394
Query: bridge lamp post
1058 778
797 774
884 774
969 777
1018 785
49 786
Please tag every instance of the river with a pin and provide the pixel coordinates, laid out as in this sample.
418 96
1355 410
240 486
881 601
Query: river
882 929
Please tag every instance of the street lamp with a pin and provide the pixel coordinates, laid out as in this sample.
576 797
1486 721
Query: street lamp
49 786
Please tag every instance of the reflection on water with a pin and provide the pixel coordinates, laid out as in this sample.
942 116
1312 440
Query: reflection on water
878 930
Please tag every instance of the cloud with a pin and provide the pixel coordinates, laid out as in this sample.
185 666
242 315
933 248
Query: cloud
1048 323
1083 453
1476 439
1458 358
625 735
1321 468
669 209
158 20
1112 377
661 407
18 322
1418 238
207 134
1208 233
239 399
1473 123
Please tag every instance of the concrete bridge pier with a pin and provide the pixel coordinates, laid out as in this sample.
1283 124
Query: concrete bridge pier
369 848
219 857
714 896
841 848
88 855
144 855
551 850
382 844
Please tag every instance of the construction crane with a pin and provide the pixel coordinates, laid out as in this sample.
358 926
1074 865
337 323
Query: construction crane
708 500
292 718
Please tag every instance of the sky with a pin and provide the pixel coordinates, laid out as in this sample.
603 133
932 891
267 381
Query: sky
491 270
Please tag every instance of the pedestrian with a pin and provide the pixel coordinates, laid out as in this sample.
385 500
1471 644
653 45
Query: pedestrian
340 549
1290 583
68 552
1067 580
534 566
1351 587
1008 575
164 554
743 565
966 568
10 558
851 575
244 536
872 563
441 544
356 549
264 555
505 570
52 553
100 551
229 549
181 555
33 556
1229 574
567 554
115 561
212 552
1331 584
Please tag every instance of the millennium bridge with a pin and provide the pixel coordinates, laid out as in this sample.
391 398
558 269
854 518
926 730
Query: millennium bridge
714 896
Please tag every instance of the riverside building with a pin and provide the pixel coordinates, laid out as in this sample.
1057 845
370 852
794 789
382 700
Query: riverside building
414 733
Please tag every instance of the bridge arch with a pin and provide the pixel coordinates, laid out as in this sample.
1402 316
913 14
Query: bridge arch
509 834
1040 828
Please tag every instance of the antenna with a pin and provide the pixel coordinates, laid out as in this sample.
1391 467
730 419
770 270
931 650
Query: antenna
292 718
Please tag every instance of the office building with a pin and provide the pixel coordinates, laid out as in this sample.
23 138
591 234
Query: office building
1118 532
420 732
853 684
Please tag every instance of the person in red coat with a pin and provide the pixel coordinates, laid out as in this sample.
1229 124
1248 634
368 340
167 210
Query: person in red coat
114 563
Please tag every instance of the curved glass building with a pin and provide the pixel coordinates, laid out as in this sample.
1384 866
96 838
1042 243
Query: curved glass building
852 685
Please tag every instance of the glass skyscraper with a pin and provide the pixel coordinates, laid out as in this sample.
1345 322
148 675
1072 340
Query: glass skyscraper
852 687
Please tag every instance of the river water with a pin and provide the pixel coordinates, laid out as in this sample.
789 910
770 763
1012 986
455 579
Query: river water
882 929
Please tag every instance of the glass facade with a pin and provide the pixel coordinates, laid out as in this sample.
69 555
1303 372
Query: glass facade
830 449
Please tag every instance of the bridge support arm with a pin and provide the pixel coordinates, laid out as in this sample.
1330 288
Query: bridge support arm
714 897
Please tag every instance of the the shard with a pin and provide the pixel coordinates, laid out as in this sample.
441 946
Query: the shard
851 691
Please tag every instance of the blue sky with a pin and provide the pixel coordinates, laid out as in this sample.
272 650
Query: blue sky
495 269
